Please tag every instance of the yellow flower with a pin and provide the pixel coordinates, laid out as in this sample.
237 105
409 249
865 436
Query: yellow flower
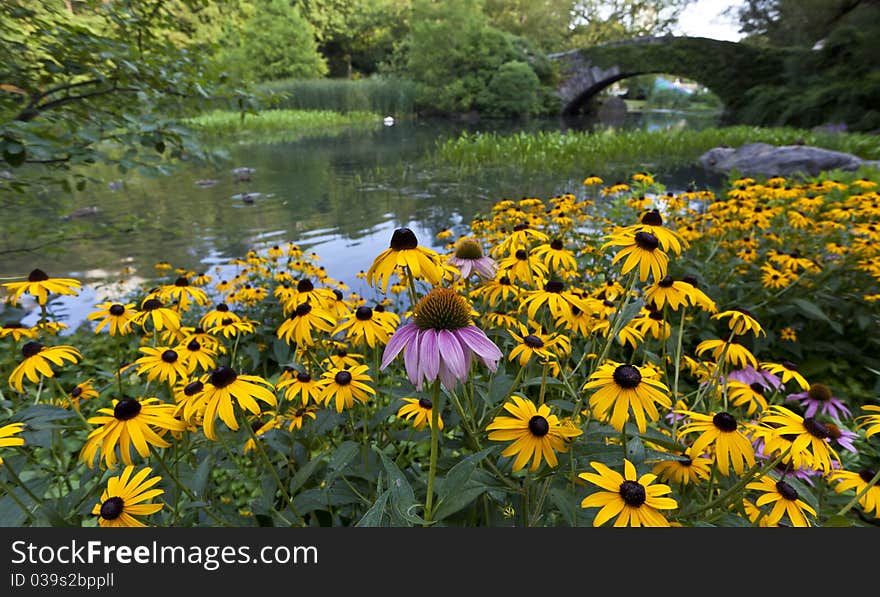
634 500
404 252
418 410
38 361
40 285
126 497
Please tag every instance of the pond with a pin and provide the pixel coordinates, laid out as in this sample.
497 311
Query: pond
339 195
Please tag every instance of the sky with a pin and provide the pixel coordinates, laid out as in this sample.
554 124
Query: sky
704 19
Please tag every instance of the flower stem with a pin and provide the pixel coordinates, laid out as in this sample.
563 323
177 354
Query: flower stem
859 495
435 442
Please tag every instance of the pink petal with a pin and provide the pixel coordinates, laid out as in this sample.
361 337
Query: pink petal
411 360
452 353
481 345
429 356
447 377
403 336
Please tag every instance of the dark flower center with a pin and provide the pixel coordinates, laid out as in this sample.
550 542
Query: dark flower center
194 346
468 249
152 304
652 218
665 282
116 310
342 353
30 349
112 508
226 321
181 281
633 493
556 286
223 376
404 239
338 294
627 376
426 404
76 392
193 388
655 315
343 378
303 377
816 428
686 461
575 310
538 426
169 356
504 281
757 388
691 280
867 475
556 244
37 275
363 313
302 309
127 408
520 227
789 365
820 392
646 241
834 431
305 285
379 308
521 254
786 491
222 307
725 422
533 341
442 309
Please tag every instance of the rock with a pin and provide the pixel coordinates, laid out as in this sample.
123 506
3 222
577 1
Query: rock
763 159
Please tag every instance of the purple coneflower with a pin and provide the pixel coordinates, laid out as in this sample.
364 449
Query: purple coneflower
749 375
819 399
440 340
469 258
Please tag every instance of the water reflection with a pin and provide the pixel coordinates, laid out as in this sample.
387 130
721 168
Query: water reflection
340 196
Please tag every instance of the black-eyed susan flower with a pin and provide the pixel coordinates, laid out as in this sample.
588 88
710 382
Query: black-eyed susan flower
740 321
667 291
697 297
16 330
302 322
521 237
404 252
683 469
214 317
37 361
8 435
295 417
534 343
469 259
126 497
346 386
652 222
440 341
787 371
115 317
536 434
556 296
39 285
183 294
342 358
863 483
224 389
869 422
497 290
635 501
808 437
730 350
520 266
747 396
84 390
232 327
639 249
362 327
418 412
131 422
302 385
721 436
592 179
785 500
774 279
153 313
556 257
260 428
161 363
621 389
306 292
196 356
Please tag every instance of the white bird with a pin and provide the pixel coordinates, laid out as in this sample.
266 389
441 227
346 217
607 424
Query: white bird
388 121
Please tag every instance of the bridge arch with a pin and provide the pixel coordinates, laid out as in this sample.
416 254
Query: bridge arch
727 68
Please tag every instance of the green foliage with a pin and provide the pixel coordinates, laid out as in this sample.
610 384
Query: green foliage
287 124
275 42
512 91
382 95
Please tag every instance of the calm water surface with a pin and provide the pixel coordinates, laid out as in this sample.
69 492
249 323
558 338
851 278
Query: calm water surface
340 196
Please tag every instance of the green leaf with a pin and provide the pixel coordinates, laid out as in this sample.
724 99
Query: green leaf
458 488
838 521
403 499
811 310
303 473
200 479
373 516
341 458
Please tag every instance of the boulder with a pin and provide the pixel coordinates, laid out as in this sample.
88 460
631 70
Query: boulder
763 159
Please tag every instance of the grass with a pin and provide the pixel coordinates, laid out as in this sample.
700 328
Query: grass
279 124
383 96
578 151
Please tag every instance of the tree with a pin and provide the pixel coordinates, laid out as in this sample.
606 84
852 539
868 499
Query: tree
274 42
792 22
601 21
104 82
545 23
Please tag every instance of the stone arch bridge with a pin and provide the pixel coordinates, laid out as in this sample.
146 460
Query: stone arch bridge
728 69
